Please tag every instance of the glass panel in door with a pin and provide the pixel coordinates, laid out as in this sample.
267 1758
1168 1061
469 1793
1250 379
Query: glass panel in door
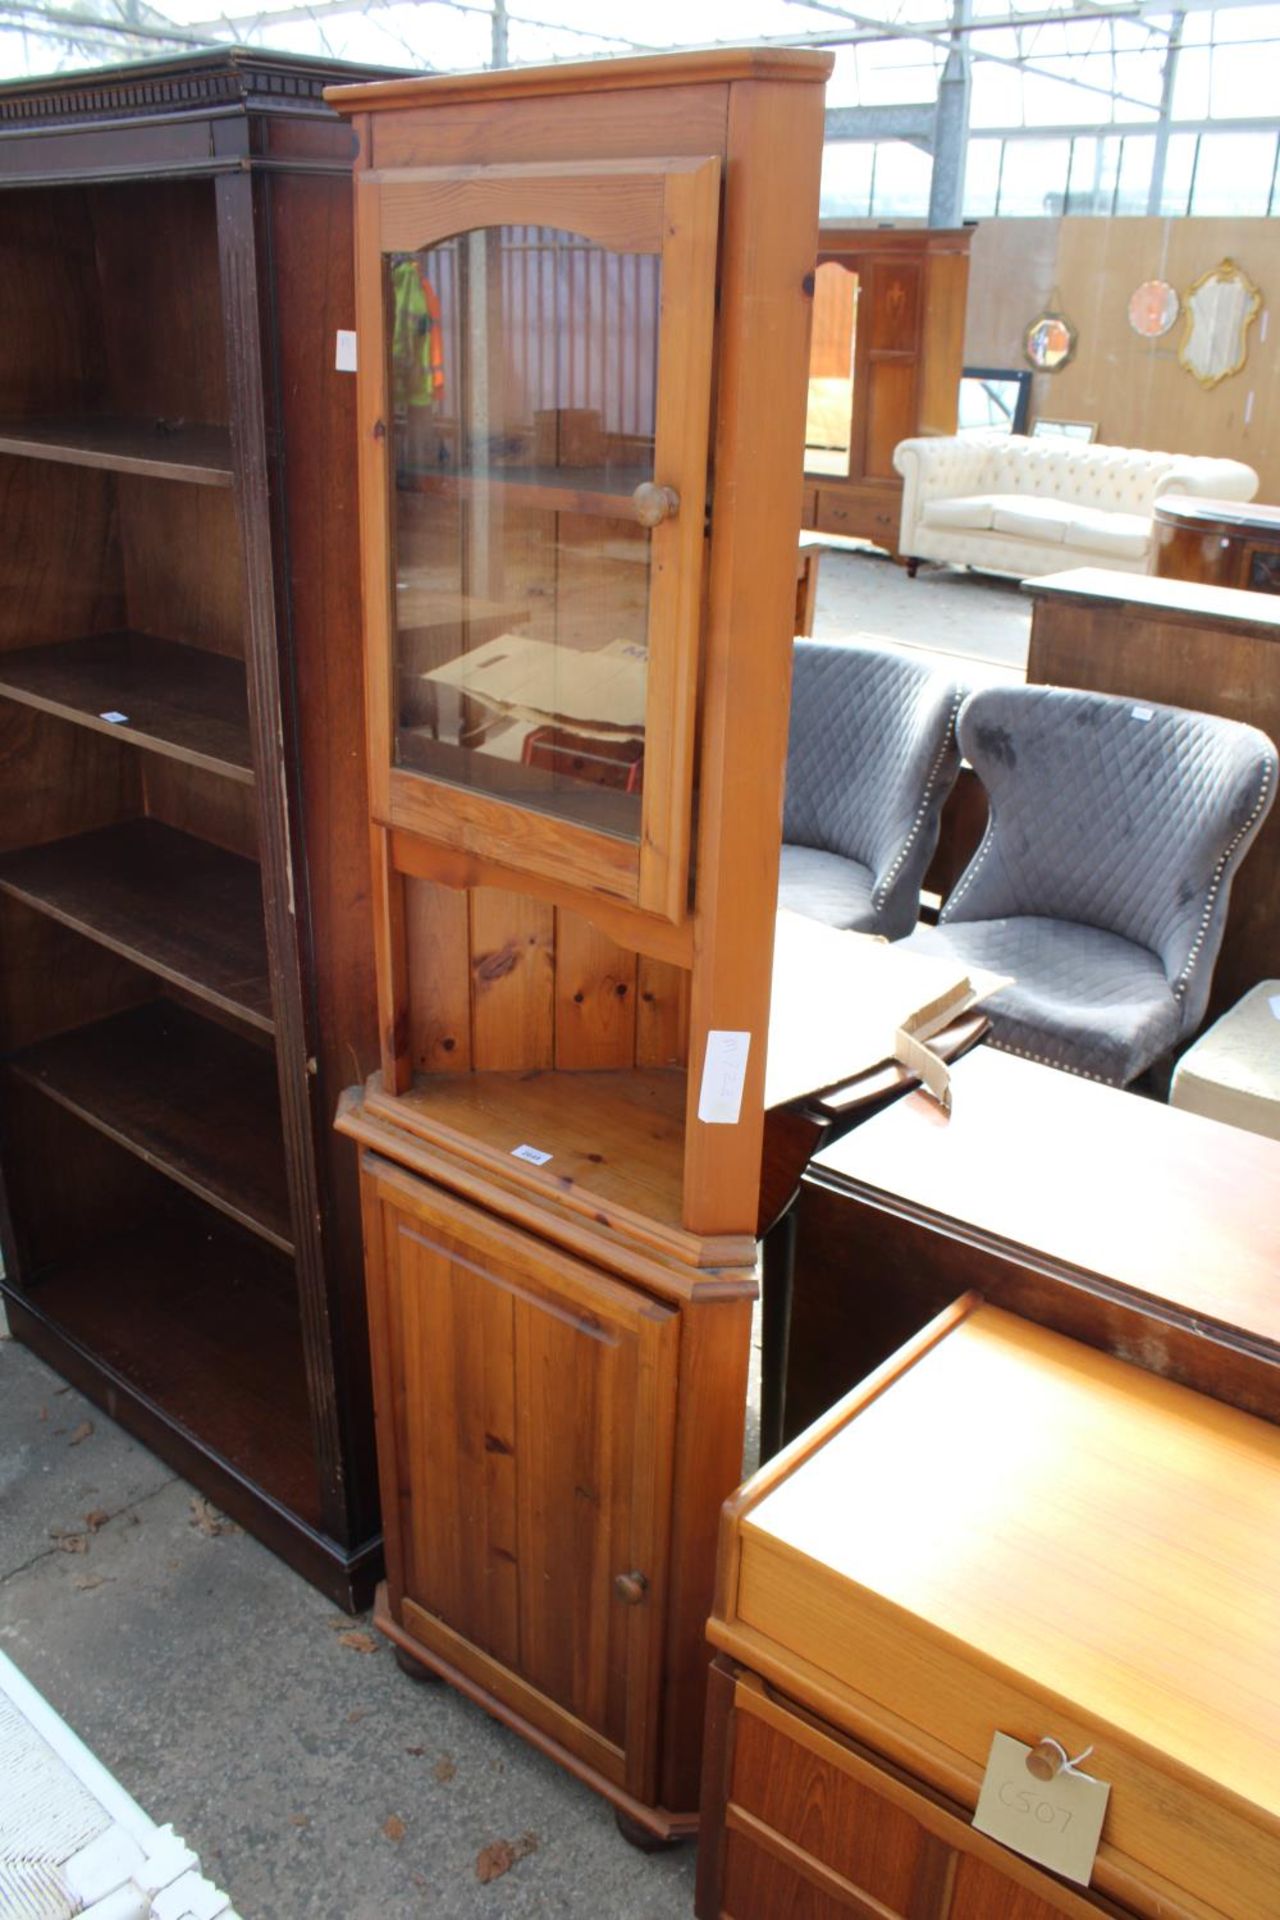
523 374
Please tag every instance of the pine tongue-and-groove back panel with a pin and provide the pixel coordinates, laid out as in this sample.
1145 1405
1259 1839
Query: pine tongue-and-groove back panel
502 983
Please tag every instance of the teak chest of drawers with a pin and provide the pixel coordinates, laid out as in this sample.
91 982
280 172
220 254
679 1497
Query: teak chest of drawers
1000 1531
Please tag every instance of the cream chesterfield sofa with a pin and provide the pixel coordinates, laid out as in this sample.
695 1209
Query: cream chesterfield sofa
1013 505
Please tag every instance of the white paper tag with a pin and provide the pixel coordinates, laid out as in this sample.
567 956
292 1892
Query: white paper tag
1143 713
345 359
116 719
724 1073
534 1155
1057 1823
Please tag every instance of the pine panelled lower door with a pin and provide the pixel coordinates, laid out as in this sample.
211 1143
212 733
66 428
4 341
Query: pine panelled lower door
528 1457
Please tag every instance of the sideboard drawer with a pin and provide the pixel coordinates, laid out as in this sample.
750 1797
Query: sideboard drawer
805 1790
805 1823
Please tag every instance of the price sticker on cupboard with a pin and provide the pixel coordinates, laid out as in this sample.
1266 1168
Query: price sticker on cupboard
1057 1822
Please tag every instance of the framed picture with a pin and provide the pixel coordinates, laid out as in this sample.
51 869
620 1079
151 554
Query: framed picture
994 400
1065 430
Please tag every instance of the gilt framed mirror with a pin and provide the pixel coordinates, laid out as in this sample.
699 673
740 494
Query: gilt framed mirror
1218 312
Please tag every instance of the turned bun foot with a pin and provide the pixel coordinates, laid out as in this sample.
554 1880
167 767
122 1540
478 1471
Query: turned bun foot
409 1664
644 1839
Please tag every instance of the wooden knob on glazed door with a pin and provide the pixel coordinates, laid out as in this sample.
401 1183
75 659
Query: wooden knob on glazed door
654 504
631 1587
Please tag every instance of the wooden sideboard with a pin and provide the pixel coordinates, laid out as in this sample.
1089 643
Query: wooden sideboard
1001 1531
1213 649
885 364
1126 1224
1222 543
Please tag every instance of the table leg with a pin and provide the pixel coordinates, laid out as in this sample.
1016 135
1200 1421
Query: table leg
777 1280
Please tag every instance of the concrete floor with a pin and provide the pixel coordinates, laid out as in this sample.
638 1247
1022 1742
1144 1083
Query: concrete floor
978 621
315 1781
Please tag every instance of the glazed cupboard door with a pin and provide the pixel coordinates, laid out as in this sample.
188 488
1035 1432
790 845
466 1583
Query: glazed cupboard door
534 423
529 1462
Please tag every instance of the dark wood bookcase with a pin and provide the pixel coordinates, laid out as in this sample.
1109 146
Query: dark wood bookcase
185 974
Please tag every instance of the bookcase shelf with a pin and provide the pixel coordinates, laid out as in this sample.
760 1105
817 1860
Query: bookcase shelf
190 1099
175 905
198 1325
173 699
167 450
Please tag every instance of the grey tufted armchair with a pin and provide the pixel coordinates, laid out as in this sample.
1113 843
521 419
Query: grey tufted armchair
1102 881
872 757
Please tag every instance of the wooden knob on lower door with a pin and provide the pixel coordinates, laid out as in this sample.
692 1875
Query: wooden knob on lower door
631 1587
1046 1760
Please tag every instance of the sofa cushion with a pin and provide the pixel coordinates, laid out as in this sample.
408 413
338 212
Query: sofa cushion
1034 518
1121 536
826 886
970 512
1082 998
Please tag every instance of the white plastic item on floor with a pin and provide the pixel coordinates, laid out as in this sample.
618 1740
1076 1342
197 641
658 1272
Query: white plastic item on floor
1233 1071
72 1841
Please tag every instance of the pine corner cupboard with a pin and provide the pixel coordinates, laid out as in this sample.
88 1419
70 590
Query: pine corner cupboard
583 311
185 982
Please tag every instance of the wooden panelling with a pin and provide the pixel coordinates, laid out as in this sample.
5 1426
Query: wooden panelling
1133 388
161 311
758 1882
891 413
982 1892
203 803
512 985
57 779
946 283
688 120
595 997
183 574
891 323
840 1821
52 979
437 944
543 1399
502 982
662 1015
68 516
50 310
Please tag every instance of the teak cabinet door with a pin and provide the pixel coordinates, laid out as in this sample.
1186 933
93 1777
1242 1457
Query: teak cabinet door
535 407
526 1409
